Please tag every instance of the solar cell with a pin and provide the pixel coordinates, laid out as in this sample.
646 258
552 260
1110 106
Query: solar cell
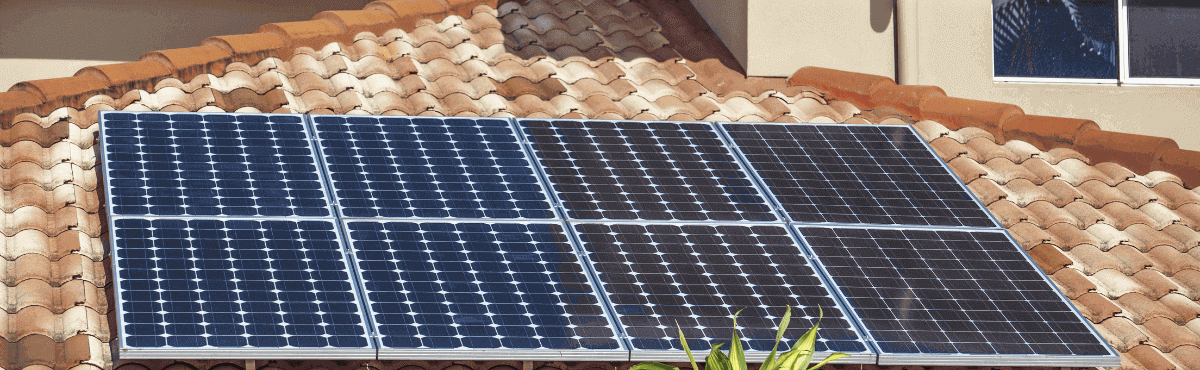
483 290
235 289
632 170
873 174
697 276
194 164
954 297
429 167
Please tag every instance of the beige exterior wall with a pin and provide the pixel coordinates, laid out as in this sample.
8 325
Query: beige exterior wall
727 18
55 38
783 35
948 43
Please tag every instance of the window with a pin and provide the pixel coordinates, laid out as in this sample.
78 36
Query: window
1097 41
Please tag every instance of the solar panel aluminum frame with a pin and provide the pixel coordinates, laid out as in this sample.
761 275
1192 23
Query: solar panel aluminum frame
331 193
1113 359
720 135
309 138
866 357
782 211
123 352
619 354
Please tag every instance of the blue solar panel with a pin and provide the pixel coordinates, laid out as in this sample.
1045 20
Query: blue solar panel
482 290
233 288
954 297
632 170
429 167
698 276
192 164
873 174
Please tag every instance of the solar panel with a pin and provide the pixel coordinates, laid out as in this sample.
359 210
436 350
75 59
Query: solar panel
429 167
873 174
194 164
480 290
697 276
954 297
235 289
633 170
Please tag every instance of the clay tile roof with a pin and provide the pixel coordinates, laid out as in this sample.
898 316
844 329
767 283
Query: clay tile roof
1112 218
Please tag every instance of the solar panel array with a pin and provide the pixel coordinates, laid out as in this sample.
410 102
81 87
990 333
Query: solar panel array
488 238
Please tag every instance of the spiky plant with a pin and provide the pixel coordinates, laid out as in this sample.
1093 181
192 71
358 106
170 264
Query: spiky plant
797 358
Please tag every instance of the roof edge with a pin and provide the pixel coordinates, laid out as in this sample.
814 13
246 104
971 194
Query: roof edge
1139 153
41 97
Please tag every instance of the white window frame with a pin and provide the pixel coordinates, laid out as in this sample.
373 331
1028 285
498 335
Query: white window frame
1122 64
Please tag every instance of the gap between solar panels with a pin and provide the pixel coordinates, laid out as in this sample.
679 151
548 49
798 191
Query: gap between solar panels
428 238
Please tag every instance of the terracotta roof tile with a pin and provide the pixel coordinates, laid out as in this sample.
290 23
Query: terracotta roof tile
1030 236
1140 309
1170 261
1122 333
948 148
1165 335
1096 307
1056 155
1150 358
1114 284
1049 258
1187 357
1185 309
1073 283
1091 260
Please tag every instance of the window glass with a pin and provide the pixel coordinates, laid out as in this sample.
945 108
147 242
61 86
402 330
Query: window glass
1164 38
1055 38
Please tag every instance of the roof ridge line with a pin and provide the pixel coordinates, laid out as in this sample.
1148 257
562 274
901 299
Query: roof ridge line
1139 153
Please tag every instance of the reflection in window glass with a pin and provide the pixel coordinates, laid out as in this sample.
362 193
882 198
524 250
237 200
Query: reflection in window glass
1164 38
1055 38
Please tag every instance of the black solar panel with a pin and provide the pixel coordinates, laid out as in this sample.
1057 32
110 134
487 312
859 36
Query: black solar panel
226 289
514 290
429 167
631 170
926 292
194 164
871 174
698 276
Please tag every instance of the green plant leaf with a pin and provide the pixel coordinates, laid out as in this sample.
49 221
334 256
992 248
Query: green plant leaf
737 357
652 366
683 341
834 356
716 359
807 344
770 363
787 361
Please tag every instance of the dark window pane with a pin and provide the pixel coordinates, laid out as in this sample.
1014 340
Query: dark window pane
1164 38
1055 38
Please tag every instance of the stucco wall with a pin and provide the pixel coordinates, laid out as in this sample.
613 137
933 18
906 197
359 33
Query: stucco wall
775 38
953 50
727 18
55 38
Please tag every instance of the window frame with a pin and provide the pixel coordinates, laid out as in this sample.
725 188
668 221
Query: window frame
1123 77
